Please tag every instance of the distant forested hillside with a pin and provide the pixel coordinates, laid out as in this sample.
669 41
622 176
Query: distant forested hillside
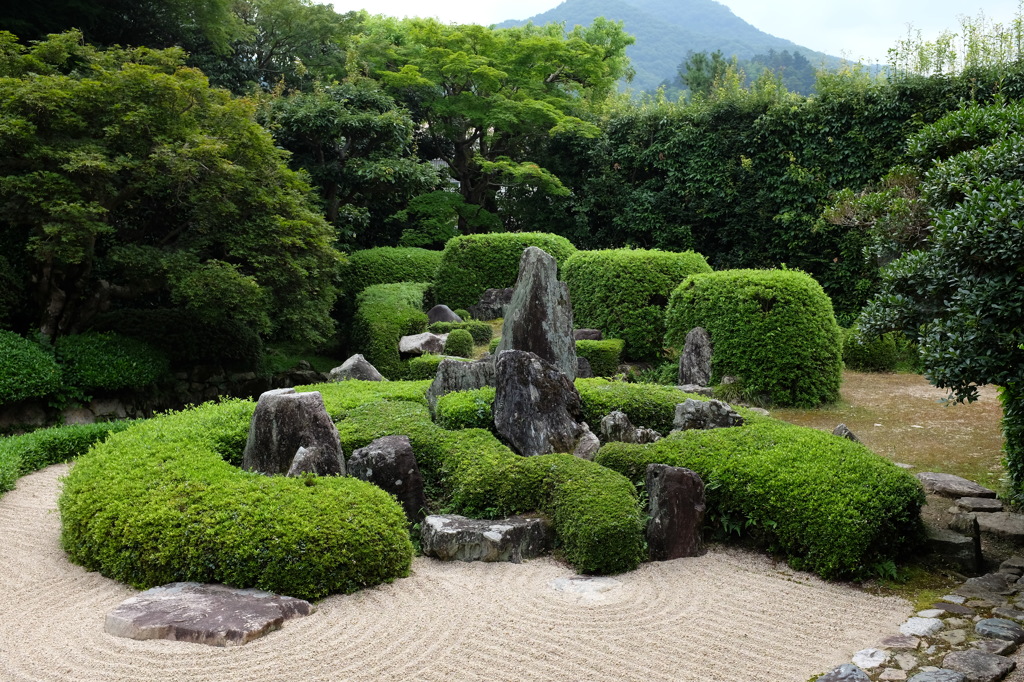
667 31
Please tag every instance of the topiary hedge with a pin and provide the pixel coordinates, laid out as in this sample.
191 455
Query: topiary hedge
604 356
480 331
26 370
98 361
870 354
20 455
158 503
773 330
470 264
384 314
388 265
459 344
624 292
830 505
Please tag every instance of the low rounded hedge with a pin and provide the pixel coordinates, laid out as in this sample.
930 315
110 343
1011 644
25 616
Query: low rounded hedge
459 344
384 314
870 354
773 330
830 505
471 264
97 361
159 503
604 356
624 292
466 410
387 265
26 370
480 331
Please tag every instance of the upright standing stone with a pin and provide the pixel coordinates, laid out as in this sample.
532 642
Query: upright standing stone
285 421
695 362
536 407
456 375
539 318
389 463
676 506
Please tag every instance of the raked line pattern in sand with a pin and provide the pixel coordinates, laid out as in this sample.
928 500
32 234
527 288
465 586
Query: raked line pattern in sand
728 615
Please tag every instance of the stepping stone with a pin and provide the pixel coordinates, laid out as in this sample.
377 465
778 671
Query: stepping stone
1000 647
948 485
979 666
922 627
940 675
845 673
991 587
217 615
1000 628
900 642
954 608
890 674
1003 524
456 538
979 504
1008 612
930 613
906 661
867 659
954 637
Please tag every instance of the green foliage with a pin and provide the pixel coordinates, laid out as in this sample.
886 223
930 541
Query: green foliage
26 369
493 345
623 292
869 353
480 331
423 367
473 263
388 265
96 361
466 410
384 314
20 455
158 503
979 44
339 399
1012 399
186 339
647 405
829 505
604 356
773 330
459 343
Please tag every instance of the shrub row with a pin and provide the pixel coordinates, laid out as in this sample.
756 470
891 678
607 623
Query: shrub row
624 292
470 264
389 265
870 354
384 314
604 356
480 331
830 505
773 330
20 455
159 503
98 361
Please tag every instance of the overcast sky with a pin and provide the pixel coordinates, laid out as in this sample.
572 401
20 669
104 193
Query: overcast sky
864 29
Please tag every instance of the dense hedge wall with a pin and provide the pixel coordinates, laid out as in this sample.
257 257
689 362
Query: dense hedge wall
387 265
26 370
24 454
624 292
159 503
604 356
773 330
470 264
830 505
98 361
384 314
870 354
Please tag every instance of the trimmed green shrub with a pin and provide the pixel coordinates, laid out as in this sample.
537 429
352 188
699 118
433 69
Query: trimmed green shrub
26 370
384 314
357 392
463 313
388 265
493 345
188 340
870 354
773 330
158 503
459 344
480 331
470 264
604 356
104 361
20 455
830 505
423 367
466 410
623 292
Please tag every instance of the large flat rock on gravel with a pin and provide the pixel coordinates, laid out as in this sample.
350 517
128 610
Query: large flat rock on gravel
217 615
451 537
948 485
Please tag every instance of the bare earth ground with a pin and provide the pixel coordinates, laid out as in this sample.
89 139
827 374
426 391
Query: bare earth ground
728 615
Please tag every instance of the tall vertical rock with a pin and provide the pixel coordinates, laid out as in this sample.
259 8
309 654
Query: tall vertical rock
695 361
676 501
539 318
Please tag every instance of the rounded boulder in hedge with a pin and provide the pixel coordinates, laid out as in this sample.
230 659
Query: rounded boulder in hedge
773 330
159 503
623 292
473 263
26 370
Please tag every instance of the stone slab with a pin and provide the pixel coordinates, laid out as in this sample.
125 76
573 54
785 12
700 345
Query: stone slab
1003 524
979 504
948 485
978 666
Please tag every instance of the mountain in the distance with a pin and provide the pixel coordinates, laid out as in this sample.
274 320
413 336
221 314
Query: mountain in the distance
666 30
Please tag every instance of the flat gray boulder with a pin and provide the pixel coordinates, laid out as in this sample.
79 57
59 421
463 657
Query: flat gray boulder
458 375
284 422
847 672
616 427
421 344
676 512
705 414
695 360
539 317
456 538
204 614
1000 628
389 463
442 313
1003 524
979 666
948 485
940 675
705 391
587 335
962 551
356 367
979 504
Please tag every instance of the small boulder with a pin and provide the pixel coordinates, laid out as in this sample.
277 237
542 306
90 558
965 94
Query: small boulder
978 666
948 485
316 461
845 673
961 550
844 432
1000 628
204 614
492 305
458 375
442 313
583 368
389 463
587 335
456 538
701 414
356 367
616 426
421 344
285 421
695 361
676 509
